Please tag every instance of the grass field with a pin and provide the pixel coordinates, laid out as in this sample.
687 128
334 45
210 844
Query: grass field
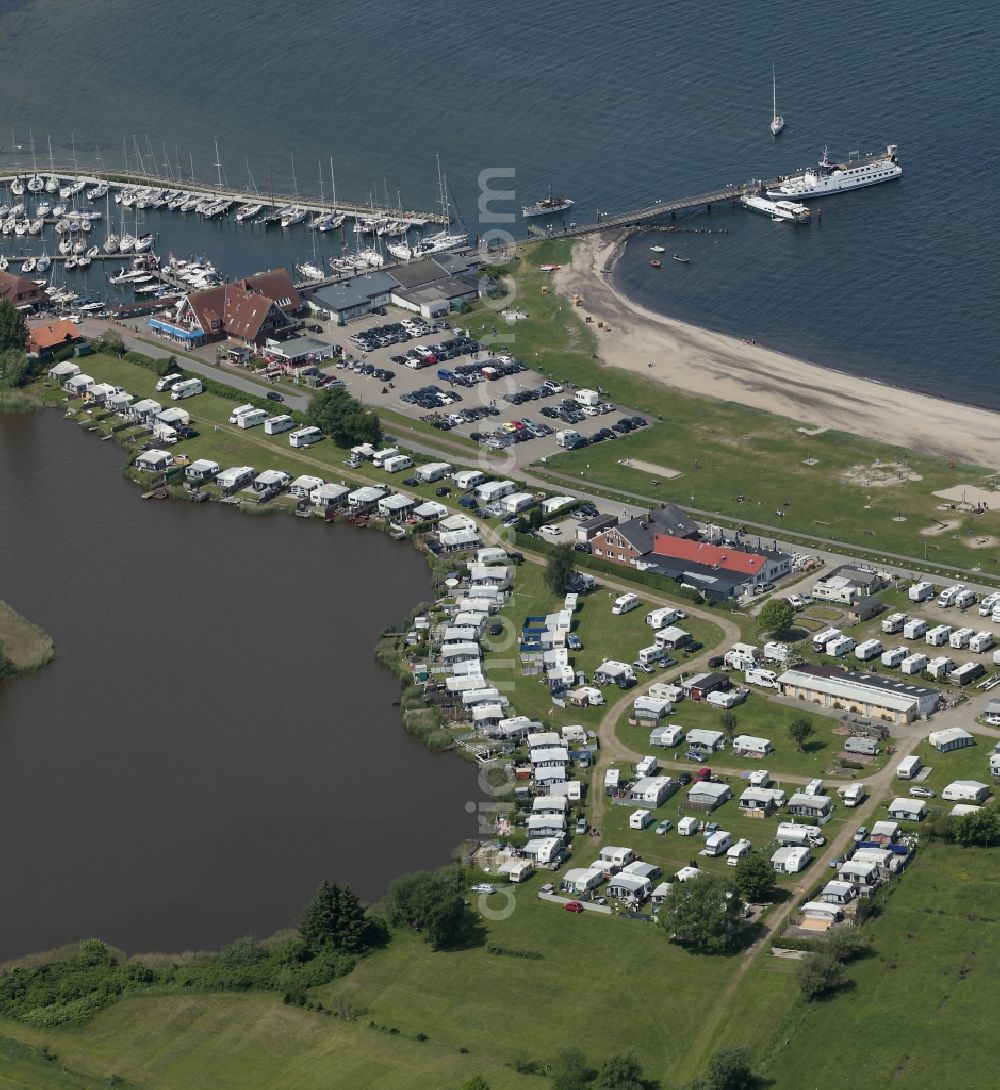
23 643
918 1013
726 451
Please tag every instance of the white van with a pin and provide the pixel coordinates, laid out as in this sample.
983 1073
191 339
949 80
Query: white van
187 388
625 603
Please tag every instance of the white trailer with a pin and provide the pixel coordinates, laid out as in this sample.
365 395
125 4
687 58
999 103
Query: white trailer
961 638
867 649
894 623
840 645
250 419
921 592
915 628
894 657
793 833
274 425
981 641
913 664
305 437
938 636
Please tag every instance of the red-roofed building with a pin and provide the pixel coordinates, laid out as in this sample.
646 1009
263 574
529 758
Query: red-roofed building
248 311
22 292
729 568
43 339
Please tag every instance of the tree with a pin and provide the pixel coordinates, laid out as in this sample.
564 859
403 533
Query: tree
477 1082
344 419
846 944
703 913
981 828
13 327
728 721
433 903
14 368
334 918
112 342
775 616
560 569
243 952
570 1070
819 975
728 1069
754 878
620 1072
800 730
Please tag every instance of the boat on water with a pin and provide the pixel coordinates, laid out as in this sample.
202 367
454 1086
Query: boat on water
658 249
293 215
829 177
438 243
310 270
777 121
789 211
29 265
685 260
143 243
548 206
248 211
656 263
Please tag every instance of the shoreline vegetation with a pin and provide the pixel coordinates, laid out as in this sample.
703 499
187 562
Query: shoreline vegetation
92 1005
24 647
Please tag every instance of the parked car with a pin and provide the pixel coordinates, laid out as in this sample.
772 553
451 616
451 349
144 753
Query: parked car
716 662
547 888
444 490
552 531
795 601
922 793
583 547
637 665
573 642
273 395
861 833
573 906
684 778
664 827
483 887
581 825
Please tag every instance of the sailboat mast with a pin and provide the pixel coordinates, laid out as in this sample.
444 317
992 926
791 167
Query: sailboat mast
333 187
774 93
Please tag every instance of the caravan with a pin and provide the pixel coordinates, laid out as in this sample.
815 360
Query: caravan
187 388
275 425
921 592
305 437
250 419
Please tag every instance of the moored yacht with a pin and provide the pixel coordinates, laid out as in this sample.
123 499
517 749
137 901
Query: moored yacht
782 210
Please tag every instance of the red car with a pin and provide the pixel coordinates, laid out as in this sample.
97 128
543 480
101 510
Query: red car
573 906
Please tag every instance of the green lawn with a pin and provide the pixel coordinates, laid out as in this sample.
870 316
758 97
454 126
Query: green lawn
22 642
919 1013
724 451
765 718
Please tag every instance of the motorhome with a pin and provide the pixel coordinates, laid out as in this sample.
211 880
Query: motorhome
625 603
379 457
989 603
821 639
274 425
894 623
235 415
777 652
965 598
305 437
853 794
737 851
921 592
741 656
793 833
948 596
250 419
187 388
767 678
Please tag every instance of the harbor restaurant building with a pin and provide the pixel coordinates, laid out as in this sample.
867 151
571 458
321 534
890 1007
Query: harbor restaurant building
872 695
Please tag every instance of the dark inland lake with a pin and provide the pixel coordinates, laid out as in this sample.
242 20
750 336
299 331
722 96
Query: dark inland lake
214 736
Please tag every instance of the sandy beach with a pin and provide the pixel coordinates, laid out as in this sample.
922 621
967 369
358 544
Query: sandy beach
720 366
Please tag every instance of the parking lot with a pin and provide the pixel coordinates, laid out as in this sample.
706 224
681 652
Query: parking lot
435 372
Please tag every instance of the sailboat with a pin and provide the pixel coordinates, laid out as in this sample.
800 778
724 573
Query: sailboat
112 240
777 121
36 183
439 242
52 182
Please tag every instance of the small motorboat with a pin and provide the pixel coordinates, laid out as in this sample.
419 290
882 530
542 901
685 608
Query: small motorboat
658 249
686 260
656 263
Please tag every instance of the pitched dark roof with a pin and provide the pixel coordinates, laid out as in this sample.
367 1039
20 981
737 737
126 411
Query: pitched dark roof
669 519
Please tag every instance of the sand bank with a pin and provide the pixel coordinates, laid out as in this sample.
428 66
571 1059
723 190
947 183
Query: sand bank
720 366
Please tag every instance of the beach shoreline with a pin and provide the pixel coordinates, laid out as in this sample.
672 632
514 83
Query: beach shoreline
720 366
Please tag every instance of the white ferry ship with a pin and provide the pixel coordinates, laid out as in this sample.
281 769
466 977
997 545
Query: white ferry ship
828 177
548 206
782 210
